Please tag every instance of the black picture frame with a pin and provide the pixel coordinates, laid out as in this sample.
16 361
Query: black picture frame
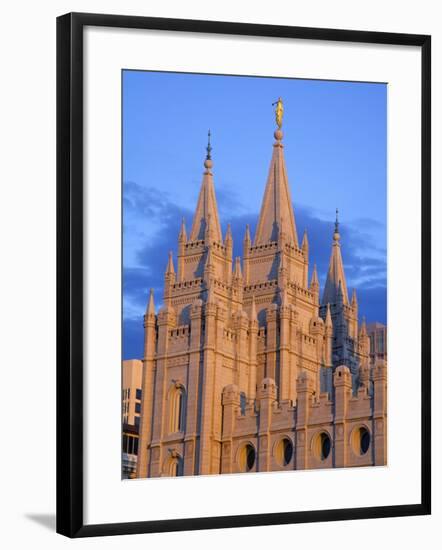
70 273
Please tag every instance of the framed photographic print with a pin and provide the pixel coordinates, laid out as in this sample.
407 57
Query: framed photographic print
243 284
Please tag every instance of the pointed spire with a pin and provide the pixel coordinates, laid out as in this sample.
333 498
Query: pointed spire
170 270
206 206
363 331
314 283
354 299
335 286
304 245
277 201
150 309
328 319
228 240
247 238
183 233
253 315
237 273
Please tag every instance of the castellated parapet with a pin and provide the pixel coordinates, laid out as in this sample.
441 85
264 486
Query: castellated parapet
246 367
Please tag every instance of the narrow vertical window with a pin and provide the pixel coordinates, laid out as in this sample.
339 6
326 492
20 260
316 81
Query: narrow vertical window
242 403
177 410
180 410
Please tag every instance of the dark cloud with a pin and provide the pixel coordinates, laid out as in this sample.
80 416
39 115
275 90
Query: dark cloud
364 258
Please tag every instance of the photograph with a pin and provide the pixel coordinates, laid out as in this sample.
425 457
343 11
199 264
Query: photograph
220 254
254 274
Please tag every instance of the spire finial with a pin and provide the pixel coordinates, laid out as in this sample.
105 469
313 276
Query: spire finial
279 111
209 147
208 163
336 235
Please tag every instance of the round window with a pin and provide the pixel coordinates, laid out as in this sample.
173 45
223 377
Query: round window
284 452
360 441
247 458
322 446
325 446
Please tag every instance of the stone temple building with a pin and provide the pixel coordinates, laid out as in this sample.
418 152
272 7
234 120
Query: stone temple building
246 366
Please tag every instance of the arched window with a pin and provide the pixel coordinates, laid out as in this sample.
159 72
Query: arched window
177 409
175 465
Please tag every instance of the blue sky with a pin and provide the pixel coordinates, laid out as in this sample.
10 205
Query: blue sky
335 149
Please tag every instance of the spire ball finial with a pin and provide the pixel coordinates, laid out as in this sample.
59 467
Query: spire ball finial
208 163
278 135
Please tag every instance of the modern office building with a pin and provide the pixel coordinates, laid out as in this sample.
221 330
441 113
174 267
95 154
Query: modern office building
131 411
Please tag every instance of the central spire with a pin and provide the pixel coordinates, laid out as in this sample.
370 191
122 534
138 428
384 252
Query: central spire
276 214
335 283
206 209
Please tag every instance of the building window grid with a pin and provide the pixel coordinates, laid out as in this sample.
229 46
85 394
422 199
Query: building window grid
130 444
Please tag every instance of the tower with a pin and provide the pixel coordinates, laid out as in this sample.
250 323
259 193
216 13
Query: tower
349 346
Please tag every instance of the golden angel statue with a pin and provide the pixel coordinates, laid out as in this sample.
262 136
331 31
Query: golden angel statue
279 111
